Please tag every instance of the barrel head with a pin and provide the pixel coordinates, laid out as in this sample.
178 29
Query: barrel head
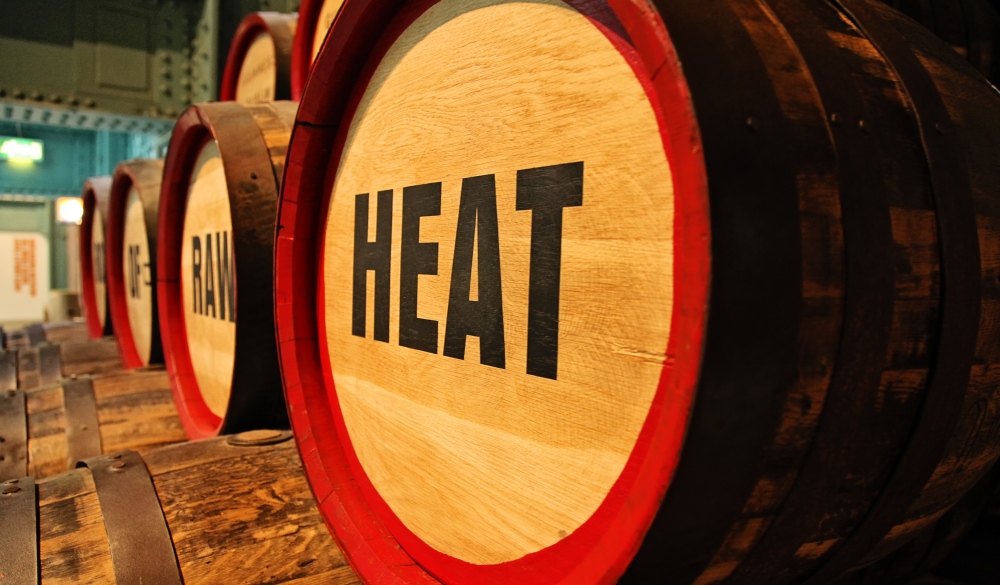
98 273
258 74
138 276
505 250
208 274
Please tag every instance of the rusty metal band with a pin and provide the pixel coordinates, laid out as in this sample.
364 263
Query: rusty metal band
13 434
36 334
19 560
49 365
961 287
83 436
142 552
8 370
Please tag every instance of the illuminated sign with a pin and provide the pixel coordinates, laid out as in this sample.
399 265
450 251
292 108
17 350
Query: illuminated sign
21 149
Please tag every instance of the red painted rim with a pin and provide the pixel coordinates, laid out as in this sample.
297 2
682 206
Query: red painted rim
379 547
302 46
114 237
248 30
90 307
191 133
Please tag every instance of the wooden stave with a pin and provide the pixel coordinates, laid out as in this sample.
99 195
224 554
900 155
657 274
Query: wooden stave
75 359
134 410
312 142
972 27
281 26
96 192
257 400
56 332
261 534
939 544
145 175
988 237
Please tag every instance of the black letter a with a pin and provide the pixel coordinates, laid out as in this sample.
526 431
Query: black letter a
477 223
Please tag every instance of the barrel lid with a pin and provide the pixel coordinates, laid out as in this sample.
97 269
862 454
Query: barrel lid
216 223
257 66
315 19
130 243
495 352
92 257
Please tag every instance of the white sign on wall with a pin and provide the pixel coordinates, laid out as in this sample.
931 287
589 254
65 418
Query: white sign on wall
24 276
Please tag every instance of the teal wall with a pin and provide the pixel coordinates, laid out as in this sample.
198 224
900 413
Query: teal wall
28 190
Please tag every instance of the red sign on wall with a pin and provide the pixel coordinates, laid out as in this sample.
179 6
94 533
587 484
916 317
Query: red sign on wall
24 266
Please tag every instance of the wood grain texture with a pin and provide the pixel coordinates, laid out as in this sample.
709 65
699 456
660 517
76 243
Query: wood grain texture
528 458
134 408
210 325
235 514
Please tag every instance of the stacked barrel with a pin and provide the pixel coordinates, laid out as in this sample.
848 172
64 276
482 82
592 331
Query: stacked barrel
549 293
673 292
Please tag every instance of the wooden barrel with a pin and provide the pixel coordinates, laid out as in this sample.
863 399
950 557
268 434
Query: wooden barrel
971 27
942 542
46 430
216 265
974 560
131 260
258 63
315 19
48 363
39 333
732 321
93 280
226 510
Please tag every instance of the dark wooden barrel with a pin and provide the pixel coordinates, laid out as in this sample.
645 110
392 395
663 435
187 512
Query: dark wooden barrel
48 363
93 273
215 266
39 333
729 270
258 64
973 560
315 19
943 545
226 510
46 430
131 260
971 27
